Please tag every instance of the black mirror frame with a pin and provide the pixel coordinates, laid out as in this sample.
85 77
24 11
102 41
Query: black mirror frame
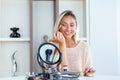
49 63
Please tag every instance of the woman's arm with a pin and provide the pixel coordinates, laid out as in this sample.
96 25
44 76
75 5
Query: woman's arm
59 39
88 64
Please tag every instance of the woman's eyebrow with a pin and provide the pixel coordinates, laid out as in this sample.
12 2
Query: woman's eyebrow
62 22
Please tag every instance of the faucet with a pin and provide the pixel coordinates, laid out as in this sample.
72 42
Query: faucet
14 64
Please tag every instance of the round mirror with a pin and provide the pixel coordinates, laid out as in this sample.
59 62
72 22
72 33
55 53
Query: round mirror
49 53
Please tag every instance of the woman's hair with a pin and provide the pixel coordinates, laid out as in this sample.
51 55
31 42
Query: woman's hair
60 17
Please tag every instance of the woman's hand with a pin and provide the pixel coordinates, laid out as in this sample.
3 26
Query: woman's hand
58 38
89 71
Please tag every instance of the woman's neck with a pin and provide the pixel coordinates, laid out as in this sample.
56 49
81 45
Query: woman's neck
70 43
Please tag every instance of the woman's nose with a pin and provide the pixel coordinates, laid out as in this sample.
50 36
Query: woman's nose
68 28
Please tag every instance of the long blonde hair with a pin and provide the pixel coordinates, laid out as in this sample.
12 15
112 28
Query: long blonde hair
60 17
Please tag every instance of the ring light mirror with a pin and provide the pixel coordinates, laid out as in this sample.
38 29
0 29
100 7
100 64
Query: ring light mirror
49 53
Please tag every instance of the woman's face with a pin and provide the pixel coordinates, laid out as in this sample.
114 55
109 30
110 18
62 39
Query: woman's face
68 26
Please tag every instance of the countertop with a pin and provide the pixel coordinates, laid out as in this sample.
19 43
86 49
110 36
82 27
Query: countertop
96 77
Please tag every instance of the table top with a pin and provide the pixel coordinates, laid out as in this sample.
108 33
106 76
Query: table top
95 77
100 77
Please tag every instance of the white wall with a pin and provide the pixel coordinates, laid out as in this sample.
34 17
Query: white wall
118 31
103 36
14 13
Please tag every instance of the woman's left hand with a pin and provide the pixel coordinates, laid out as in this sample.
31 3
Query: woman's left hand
89 71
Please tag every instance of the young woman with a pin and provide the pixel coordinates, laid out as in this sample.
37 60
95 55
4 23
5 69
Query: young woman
75 53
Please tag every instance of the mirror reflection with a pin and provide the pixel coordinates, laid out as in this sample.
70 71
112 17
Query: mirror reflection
49 53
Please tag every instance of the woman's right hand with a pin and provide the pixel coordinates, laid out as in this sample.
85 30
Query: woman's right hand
58 38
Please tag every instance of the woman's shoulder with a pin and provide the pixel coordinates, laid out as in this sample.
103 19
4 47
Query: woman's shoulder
83 43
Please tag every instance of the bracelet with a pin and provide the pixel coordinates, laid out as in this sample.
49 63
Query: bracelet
64 65
65 68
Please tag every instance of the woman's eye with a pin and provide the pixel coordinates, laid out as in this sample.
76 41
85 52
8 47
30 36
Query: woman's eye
63 25
72 25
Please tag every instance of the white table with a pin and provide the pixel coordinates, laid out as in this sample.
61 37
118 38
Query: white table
100 77
14 78
96 77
